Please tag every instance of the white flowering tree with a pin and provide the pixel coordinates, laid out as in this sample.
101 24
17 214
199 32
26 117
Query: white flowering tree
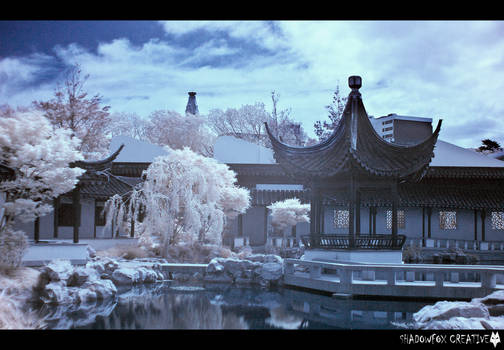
286 214
185 197
39 156
169 128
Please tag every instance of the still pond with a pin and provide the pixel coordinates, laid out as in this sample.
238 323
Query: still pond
175 306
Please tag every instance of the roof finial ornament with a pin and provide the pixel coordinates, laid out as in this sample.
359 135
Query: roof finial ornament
192 107
355 82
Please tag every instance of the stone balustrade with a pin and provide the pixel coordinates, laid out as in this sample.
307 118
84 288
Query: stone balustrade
455 243
393 280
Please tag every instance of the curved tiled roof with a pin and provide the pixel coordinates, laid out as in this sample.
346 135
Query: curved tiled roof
355 146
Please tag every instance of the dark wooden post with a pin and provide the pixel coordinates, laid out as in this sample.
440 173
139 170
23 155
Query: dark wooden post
429 215
132 229
395 203
76 213
56 204
240 225
315 215
423 226
351 214
475 224
36 230
370 220
357 212
318 226
374 220
265 225
483 215
322 216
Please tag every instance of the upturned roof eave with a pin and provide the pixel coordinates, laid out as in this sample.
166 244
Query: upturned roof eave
355 141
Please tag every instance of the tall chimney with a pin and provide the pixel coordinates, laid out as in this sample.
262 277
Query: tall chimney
192 107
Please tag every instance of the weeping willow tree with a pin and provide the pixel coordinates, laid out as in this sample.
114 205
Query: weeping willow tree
185 197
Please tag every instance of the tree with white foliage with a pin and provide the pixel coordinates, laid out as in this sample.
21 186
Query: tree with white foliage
247 123
72 108
40 157
185 197
169 128
286 214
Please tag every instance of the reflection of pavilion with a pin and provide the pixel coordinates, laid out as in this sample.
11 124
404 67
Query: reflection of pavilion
353 164
325 311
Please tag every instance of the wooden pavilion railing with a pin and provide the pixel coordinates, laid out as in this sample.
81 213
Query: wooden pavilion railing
332 241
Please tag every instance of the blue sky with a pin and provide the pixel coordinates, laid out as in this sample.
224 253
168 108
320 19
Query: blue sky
452 70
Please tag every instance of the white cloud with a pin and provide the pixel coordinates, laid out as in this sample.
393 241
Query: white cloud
452 70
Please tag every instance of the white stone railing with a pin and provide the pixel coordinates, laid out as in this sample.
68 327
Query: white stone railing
241 241
271 241
396 280
277 242
455 243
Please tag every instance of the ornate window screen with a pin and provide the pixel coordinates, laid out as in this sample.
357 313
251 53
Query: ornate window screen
448 220
341 218
401 219
497 220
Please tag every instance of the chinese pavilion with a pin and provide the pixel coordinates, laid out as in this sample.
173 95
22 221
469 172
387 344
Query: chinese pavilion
352 165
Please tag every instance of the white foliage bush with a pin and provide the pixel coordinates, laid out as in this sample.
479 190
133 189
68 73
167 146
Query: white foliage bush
13 245
185 197
287 213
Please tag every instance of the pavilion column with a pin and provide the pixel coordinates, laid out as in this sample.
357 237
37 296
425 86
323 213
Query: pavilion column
76 213
132 229
265 225
429 215
56 204
423 226
357 212
36 230
395 204
483 215
315 213
370 220
351 213
475 224
374 211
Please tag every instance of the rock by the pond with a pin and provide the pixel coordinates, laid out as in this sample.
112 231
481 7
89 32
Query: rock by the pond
479 313
134 275
263 269
445 310
271 271
62 283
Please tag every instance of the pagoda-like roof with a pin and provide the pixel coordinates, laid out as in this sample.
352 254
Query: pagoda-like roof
355 147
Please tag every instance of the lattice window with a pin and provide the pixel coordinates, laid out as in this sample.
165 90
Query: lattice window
401 219
341 218
497 220
448 220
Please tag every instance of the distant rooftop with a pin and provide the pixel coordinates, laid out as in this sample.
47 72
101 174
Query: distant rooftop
135 151
231 150
449 155
405 117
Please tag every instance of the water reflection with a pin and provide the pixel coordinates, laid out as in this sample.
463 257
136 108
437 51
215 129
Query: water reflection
165 306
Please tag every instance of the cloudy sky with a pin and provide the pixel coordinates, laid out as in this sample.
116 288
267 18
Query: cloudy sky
452 70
